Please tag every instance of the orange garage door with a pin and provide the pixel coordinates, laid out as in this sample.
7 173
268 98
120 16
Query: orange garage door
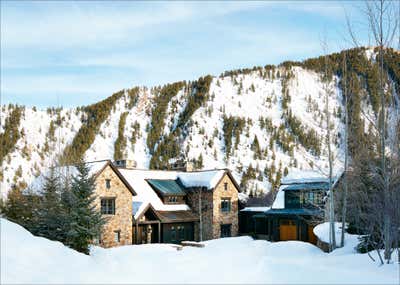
287 230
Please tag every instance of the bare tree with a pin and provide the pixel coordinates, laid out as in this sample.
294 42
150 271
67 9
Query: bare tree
326 79
346 150
383 21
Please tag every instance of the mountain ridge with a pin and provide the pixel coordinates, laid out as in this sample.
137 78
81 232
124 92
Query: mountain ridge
260 122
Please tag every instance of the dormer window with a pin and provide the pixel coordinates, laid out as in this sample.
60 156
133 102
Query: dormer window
108 183
172 199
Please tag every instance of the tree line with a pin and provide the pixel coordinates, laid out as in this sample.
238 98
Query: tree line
62 210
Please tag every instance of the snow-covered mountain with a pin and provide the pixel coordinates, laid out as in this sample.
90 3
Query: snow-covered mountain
270 118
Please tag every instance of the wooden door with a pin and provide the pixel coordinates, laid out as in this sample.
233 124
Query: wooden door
287 230
311 236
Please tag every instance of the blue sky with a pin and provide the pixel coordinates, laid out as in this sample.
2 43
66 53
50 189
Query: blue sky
82 52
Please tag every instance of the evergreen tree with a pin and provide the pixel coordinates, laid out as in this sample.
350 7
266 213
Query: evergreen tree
51 223
86 222
21 208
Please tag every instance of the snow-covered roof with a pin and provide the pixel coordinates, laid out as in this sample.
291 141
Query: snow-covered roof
146 194
255 209
208 179
67 171
303 177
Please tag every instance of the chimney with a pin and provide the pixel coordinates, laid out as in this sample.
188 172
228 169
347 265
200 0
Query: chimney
181 165
125 163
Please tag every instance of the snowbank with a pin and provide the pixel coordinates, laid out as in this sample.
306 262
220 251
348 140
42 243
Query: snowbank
322 231
242 260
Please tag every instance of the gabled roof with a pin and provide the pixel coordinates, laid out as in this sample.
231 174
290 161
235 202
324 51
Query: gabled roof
302 180
146 182
167 187
95 168
146 195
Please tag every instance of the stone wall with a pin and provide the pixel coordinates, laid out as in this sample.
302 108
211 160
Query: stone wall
212 216
219 217
207 205
122 220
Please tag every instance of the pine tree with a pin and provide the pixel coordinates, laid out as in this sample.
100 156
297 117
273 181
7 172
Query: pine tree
51 222
21 208
86 221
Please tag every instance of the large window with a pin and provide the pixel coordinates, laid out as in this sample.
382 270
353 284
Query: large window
226 205
303 199
108 206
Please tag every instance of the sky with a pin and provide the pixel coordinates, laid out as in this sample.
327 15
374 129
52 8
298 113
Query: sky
73 53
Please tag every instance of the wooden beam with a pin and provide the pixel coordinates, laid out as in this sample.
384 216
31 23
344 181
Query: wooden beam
159 232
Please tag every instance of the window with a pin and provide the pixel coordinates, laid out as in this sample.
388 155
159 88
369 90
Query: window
108 206
225 205
117 236
226 186
292 199
108 183
173 234
173 199
226 230
181 233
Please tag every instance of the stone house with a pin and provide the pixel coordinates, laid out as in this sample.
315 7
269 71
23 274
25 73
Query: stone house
157 206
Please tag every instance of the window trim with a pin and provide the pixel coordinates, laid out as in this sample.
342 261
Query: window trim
108 183
105 210
228 203
117 236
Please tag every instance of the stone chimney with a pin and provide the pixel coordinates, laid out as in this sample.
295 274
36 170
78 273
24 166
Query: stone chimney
125 163
181 165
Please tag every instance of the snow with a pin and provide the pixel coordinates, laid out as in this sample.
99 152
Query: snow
322 231
241 260
279 202
304 176
243 197
301 176
145 194
255 209
208 179
67 171
204 135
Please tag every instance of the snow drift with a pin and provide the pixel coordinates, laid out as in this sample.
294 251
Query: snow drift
29 259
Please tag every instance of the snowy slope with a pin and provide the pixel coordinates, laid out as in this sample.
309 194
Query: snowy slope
249 96
242 260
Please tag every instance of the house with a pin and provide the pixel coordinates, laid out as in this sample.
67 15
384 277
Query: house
299 206
246 220
158 206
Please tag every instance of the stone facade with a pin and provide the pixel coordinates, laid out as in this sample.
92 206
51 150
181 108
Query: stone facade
212 216
207 213
122 220
219 217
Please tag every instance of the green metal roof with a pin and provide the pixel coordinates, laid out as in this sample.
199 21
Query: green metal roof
307 186
167 187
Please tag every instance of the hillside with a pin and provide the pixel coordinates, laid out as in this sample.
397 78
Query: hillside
259 122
